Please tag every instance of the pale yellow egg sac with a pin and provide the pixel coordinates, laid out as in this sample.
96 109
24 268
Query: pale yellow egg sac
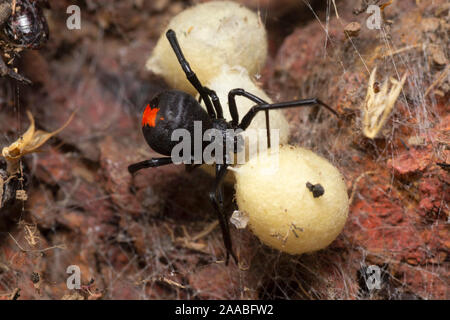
283 212
211 35
231 78
255 135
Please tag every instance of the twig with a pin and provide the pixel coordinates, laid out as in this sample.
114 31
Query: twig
12 295
206 231
335 9
437 81
191 242
171 234
391 53
13 7
301 287
15 294
162 279
170 282
31 237
2 184
355 184
59 246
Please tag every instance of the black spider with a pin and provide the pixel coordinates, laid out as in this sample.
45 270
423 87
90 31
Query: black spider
22 25
171 110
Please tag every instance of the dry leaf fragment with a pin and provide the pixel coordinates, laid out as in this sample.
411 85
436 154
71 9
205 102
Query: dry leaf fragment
378 105
29 142
352 29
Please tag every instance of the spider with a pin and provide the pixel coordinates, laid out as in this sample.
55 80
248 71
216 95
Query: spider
23 25
173 109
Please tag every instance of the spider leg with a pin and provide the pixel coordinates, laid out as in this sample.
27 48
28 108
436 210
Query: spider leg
216 198
6 71
232 103
190 75
154 162
234 112
247 119
216 102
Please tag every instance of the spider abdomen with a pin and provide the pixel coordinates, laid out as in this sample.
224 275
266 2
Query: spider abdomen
169 111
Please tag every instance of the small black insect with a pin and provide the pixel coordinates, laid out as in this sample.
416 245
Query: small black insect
35 278
316 189
22 26
171 110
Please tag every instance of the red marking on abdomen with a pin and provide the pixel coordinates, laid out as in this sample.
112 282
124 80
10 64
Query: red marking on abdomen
149 116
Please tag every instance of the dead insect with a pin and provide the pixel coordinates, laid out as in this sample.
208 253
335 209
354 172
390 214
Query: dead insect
22 25
316 189
35 277
27 26
376 87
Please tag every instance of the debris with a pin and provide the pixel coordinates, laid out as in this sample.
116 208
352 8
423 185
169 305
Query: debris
239 219
352 29
29 142
21 195
430 24
73 296
438 56
15 294
439 79
378 106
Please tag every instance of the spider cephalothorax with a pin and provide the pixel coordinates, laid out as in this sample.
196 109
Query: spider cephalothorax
171 110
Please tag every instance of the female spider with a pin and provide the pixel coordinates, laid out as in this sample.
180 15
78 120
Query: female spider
173 109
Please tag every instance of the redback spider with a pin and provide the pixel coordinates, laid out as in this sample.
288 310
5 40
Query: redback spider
172 109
